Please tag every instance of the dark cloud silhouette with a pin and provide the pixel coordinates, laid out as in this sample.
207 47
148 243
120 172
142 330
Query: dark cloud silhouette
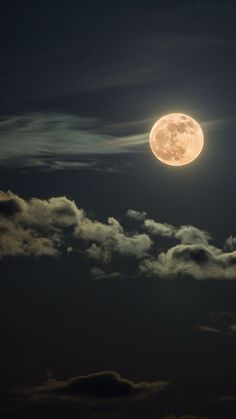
104 385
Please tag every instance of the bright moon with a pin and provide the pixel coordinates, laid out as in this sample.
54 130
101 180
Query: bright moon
176 139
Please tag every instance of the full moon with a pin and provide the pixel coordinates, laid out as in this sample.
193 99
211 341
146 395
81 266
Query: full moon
176 139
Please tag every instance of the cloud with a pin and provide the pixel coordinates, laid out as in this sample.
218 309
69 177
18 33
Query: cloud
159 229
60 141
136 215
186 234
199 261
35 227
208 329
54 226
38 227
215 124
220 323
230 243
102 386
98 273
111 238
191 235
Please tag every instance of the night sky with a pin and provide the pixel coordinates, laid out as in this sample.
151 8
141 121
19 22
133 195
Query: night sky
118 272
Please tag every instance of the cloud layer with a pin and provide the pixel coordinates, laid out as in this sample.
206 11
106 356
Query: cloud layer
50 227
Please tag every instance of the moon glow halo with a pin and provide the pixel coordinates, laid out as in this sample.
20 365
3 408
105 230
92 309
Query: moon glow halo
176 139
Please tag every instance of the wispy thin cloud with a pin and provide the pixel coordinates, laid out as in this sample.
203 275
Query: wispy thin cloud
215 124
223 323
57 140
